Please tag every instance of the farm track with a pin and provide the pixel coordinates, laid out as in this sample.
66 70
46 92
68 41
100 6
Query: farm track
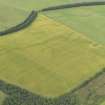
91 92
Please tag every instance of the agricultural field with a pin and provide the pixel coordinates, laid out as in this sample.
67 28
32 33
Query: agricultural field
58 52
84 22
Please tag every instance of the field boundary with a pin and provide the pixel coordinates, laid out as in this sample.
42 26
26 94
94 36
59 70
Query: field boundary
72 5
33 14
28 21
87 81
73 97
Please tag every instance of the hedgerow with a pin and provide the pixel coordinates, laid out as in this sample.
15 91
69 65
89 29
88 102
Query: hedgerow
22 25
19 96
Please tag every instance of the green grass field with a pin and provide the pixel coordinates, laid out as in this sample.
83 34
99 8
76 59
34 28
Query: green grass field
76 18
89 21
57 52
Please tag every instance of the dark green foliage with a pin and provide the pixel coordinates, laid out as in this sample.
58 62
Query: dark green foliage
22 25
33 15
73 5
86 94
19 96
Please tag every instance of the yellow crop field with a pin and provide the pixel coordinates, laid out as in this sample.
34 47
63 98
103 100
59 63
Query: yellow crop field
49 58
